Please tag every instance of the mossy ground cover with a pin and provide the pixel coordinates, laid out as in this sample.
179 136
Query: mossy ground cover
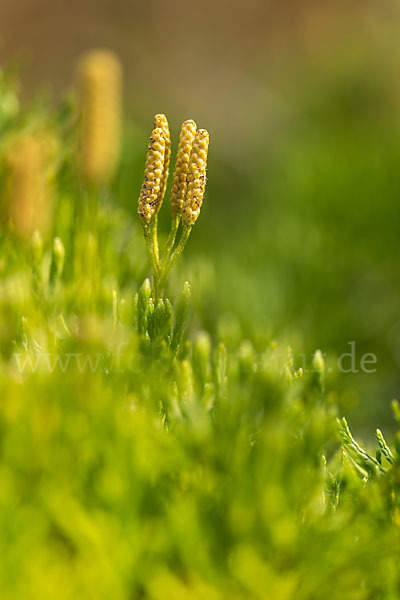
148 451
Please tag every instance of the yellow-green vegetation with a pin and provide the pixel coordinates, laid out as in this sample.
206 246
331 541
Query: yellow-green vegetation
144 454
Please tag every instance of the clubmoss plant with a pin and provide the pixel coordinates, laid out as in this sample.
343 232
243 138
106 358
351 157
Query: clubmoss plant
150 195
364 463
188 188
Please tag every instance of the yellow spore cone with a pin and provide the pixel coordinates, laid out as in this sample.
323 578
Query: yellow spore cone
149 198
179 182
161 122
27 196
196 178
100 91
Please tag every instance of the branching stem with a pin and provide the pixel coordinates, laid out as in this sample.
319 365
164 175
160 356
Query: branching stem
170 241
175 255
161 269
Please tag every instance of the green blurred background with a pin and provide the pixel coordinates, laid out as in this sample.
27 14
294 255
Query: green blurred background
299 236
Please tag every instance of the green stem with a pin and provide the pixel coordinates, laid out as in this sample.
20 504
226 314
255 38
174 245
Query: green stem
149 239
154 237
87 250
92 208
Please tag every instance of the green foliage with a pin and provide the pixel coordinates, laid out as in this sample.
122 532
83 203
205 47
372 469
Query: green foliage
145 455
